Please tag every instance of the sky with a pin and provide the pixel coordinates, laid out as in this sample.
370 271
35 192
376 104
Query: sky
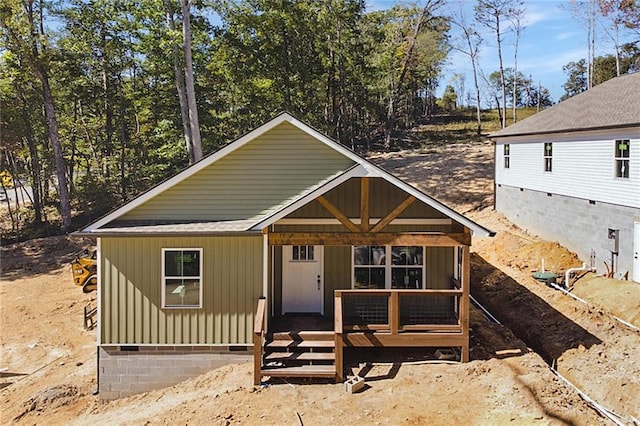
551 38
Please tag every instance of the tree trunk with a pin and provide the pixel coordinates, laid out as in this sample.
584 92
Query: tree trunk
36 184
503 84
397 88
52 124
190 83
180 85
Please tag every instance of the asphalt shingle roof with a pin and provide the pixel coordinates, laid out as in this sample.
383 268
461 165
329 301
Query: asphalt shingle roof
614 103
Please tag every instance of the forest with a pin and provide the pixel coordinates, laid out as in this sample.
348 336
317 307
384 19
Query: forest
102 99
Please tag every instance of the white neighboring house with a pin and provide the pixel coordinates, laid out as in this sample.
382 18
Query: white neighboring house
571 174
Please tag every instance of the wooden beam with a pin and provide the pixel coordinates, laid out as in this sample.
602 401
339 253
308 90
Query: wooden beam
369 339
369 238
394 213
364 204
337 214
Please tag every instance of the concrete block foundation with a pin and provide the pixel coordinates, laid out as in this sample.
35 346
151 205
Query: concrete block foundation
129 370
578 224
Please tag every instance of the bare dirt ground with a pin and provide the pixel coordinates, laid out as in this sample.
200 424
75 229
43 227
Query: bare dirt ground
48 368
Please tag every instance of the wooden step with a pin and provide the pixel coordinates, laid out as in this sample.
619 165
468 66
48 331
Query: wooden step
303 335
301 356
302 344
328 371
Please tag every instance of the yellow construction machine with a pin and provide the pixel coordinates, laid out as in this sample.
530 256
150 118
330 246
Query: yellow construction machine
85 270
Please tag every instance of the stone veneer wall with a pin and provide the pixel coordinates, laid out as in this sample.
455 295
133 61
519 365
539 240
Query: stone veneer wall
580 225
128 370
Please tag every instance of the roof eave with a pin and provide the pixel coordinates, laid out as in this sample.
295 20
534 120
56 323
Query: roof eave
568 130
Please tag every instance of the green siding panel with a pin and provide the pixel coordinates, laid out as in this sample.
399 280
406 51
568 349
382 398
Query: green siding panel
440 267
383 198
337 273
256 179
131 286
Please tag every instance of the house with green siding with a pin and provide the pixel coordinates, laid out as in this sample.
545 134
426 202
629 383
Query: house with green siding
285 249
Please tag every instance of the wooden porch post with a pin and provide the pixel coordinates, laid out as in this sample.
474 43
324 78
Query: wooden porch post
339 343
258 330
464 303
394 312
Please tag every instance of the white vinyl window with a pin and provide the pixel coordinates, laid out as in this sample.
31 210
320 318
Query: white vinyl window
181 277
622 158
548 157
507 155
379 267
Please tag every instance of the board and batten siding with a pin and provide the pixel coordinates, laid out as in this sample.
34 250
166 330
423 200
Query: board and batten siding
383 198
258 178
581 168
131 299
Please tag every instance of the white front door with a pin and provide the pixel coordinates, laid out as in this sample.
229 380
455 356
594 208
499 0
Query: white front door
302 280
636 252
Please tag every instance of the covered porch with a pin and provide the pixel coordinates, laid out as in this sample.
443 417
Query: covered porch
384 265
303 345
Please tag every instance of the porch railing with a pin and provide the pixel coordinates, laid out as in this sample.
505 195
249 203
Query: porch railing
398 311
258 333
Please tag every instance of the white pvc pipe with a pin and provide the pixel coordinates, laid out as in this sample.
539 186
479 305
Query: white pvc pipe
567 274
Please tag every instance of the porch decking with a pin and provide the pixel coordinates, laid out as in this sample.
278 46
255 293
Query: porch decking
314 346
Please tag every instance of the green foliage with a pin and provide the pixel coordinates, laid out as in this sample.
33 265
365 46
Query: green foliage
605 68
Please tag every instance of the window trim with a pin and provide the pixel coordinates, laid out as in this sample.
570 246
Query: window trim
506 156
618 159
309 249
164 278
389 266
548 167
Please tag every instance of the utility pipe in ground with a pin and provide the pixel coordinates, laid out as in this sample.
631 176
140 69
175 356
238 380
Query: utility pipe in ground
567 274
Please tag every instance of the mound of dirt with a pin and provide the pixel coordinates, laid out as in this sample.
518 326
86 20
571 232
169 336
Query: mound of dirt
50 398
527 254
620 297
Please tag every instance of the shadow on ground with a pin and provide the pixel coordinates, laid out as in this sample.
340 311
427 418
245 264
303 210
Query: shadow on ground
41 256
533 320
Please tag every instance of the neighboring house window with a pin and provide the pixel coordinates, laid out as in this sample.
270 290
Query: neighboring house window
507 156
303 253
622 158
548 156
181 278
388 267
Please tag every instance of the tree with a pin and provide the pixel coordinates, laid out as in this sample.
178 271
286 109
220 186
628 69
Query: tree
185 83
492 14
449 98
23 32
470 46
586 12
516 24
458 80
619 15
605 68
407 64
576 79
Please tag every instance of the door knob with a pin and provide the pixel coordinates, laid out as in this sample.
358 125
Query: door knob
318 282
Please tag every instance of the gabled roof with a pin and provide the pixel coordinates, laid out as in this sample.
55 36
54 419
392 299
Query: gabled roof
360 168
612 104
